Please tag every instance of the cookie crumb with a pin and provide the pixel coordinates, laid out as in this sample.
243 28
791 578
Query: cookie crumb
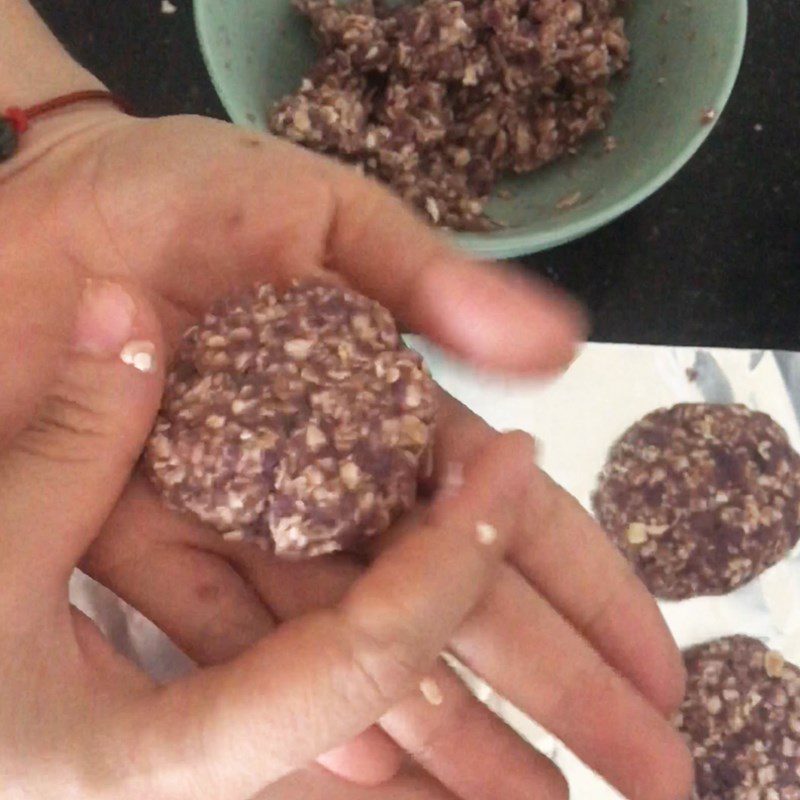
140 355
431 691
487 534
167 7
569 200
636 533
432 207
708 116
610 144
774 664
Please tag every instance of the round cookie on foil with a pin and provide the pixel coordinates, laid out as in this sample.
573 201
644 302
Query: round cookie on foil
701 498
297 417
741 718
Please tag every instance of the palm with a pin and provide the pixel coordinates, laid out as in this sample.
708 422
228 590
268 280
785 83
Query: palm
181 207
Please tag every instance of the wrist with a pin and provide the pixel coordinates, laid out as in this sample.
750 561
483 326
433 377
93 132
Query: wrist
33 65
74 123
35 68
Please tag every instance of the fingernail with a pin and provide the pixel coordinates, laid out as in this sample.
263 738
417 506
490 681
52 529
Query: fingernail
104 322
104 327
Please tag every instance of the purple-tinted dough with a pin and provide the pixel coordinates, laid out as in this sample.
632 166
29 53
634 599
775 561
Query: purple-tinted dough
701 497
741 720
300 418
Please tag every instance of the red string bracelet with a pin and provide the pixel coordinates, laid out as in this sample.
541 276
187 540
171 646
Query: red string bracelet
15 121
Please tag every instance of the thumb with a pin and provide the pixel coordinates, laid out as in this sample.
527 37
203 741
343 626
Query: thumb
62 474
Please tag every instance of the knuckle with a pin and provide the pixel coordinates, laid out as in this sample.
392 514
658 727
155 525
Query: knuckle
521 446
576 690
65 429
617 593
385 660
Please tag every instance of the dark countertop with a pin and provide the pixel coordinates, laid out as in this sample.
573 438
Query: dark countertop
711 259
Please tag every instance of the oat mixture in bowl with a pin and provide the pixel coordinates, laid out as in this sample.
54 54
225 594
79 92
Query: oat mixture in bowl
684 60
441 98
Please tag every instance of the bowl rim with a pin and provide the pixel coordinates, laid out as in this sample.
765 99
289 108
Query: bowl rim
510 244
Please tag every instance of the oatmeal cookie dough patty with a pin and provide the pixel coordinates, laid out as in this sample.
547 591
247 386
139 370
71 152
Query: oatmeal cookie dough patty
741 717
701 498
300 418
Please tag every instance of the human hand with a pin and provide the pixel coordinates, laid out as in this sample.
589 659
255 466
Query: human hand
106 207
567 633
129 201
187 209
90 721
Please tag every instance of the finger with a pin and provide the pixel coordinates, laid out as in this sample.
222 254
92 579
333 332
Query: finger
601 598
279 213
486 313
370 759
338 670
314 784
211 617
98 652
156 562
445 728
197 611
60 477
448 739
331 217
153 560
548 670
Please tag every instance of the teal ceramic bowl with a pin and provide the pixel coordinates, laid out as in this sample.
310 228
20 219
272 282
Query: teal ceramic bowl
686 55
